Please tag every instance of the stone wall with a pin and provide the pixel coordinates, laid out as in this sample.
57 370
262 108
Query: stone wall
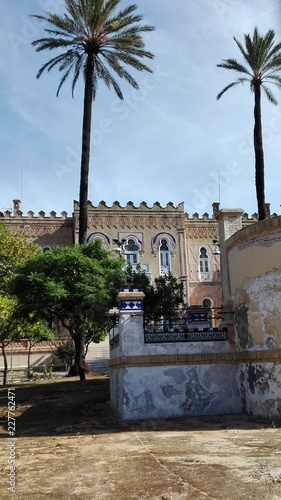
168 379
42 354
168 391
251 285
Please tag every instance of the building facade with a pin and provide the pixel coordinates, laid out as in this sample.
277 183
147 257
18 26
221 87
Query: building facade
158 239
251 272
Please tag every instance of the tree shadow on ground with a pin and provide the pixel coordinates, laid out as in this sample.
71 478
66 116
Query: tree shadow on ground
71 407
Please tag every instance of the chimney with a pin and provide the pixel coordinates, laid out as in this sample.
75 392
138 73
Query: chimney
16 206
216 209
267 210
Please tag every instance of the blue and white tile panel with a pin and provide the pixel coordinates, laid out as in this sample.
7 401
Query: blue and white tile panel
130 305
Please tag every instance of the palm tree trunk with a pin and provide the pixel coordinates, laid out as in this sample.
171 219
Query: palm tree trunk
85 157
259 157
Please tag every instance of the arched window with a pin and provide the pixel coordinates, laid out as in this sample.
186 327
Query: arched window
99 236
204 265
165 257
132 252
207 303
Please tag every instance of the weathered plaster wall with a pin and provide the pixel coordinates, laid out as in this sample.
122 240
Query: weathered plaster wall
252 254
147 383
254 274
258 327
37 360
254 265
131 342
257 306
117 391
260 387
174 391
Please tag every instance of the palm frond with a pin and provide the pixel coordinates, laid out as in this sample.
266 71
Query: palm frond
52 43
64 23
274 63
109 80
269 95
244 52
125 58
273 78
234 65
64 77
94 27
264 59
233 84
51 64
113 62
76 72
272 52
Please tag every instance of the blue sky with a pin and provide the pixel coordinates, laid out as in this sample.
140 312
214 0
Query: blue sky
171 141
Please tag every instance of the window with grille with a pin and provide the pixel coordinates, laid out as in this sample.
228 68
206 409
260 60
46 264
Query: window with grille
204 265
132 252
165 257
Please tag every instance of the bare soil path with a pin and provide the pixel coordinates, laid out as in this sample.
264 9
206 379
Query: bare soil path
69 446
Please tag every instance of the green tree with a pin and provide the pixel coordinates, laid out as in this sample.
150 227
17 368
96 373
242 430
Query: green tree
74 285
162 298
66 352
14 249
34 333
95 331
8 331
13 328
95 40
263 64
166 298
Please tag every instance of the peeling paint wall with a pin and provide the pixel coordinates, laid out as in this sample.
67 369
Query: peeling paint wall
175 391
260 386
146 382
258 322
209 378
254 270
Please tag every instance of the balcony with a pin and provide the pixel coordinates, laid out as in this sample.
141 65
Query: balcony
205 276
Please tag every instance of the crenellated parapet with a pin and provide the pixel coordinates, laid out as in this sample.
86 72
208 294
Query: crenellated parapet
116 207
30 215
45 230
130 217
202 227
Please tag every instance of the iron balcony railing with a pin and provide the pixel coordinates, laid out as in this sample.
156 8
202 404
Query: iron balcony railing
192 324
112 328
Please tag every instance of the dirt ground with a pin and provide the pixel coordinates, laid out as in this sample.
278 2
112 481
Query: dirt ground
69 446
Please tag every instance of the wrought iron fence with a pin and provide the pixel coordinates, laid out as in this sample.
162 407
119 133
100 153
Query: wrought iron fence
192 324
112 328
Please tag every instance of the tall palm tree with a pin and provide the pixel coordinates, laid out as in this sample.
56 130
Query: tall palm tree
95 40
263 58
